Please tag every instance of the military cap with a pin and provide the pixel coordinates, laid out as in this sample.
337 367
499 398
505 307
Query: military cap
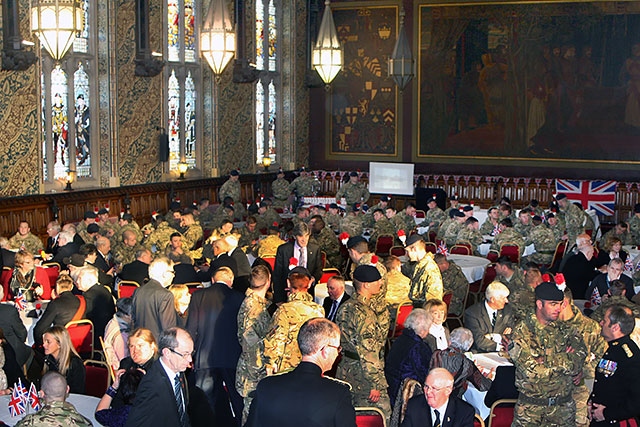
299 270
234 173
77 260
353 173
457 213
280 171
537 218
103 211
384 198
93 228
548 291
89 214
413 239
174 206
353 241
366 274
127 217
334 206
467 208
561 196
454 197
550 215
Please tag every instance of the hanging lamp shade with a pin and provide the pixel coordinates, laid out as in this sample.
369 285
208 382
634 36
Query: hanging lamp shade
218 38
327 55
401 61
56 23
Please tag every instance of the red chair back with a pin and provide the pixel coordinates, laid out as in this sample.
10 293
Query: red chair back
398 251
369 417
126 289
431 247
493 256
420 213
559 253
97 378
5 278
53 271
271 261
432 236
328 273
403 311
446 298
323 259
512 251
501 414
81 332
460 249
383 245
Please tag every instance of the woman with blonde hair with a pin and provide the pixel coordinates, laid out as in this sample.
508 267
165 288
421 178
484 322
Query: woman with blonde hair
61 357
29 279
181 299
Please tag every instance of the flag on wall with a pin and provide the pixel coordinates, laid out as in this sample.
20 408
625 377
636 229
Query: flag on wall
597 195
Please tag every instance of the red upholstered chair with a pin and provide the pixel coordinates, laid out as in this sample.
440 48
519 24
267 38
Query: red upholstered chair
126 288
5 278
493 255
446 298
401 315
431 247
53 271
383 245
478 421
432 236
511 250
398 251
460 249
561 248
271 260
323 258
97 378
327 273
370 417
420 213
81 332
477 288
501 414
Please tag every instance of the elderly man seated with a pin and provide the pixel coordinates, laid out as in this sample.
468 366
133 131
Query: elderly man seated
490 319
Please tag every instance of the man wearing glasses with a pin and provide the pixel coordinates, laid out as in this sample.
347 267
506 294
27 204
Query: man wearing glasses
162 397
303 396
437 407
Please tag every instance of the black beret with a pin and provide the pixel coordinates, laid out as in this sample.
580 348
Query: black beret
174 206
353 241
234 173
89 214
548 291
467 208
537 218
561 196
300 270
353 173
93 228
384 198
454 197
334 206
550 215
456 213
413 239
366 274
127 217
103 211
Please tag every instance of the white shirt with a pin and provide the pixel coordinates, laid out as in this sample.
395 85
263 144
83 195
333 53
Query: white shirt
442 410
441 337
172 377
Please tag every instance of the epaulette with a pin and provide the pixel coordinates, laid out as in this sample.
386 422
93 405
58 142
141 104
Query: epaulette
627 350
341 382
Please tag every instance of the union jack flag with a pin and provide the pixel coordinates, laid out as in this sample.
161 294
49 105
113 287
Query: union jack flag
34 400
628 264
16 404
442 249
496 230
595 299
20 302
597 195
22 390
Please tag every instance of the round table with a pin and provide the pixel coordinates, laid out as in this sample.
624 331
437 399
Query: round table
86 405
472 266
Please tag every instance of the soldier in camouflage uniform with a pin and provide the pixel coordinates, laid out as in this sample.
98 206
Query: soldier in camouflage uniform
454 204
362 341
543 241
574 218
616 295
470 233
126 222
523 301
281 351
507 235
108 228
303 185
434 216
81 228
523 224
332 218
253 326
447 222
595 344
548 355
369 221
360 255
382 226
621 231
509 274
159 238
193 231
491 223
327 241
267 215
398 285
280 190
125 252
249 234
392 216
352 224
55 412
556 225
454 281
634 225
451 233
23 239
407 218
426 282
231 188
268 246
534 206
353 192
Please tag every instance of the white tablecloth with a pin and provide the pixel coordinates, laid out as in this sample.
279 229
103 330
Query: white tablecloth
487 363
472 266
86 405
321 291
485 247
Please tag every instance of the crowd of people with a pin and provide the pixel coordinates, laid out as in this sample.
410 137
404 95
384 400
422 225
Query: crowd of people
217 333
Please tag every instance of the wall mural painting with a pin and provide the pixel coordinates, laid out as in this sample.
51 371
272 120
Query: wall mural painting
551 82
363 98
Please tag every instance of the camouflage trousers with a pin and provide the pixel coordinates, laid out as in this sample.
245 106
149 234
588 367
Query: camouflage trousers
581 396
529 415
350 370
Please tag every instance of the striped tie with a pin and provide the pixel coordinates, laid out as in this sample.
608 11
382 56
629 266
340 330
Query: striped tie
437 423
177 391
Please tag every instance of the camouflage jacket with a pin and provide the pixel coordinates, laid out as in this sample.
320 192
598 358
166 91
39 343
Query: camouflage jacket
304 186
486 229
596 345
328 243
451 233
159 238
426 282
230 189
634 229
269 246
470 235
352 224
435 216
378 302
544 242
29 242
508 235
280 189
574 222
398 286
454 281
353 193
55 414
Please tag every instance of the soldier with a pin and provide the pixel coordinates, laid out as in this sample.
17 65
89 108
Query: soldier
382 205
544 242
223 213
268 246
492 223
280 190
359 254
621 231
398 285
392 216
352 223
589 330
24 240
509 274
107 227
450 236
159 238
523 224
634 225
126 222
470 233
249 234
556 226
548 356
125 252
450 220
232 189
408 218
327 241
192 233
382 226
434 216
507 235
174 214
55 412
616 390
267 215
534 206
616 295
353 192
453 205
281 351
426 282
205 213
588 224
333 217
574 218
81 229
303 185
454 281
362 341
253 326
523 301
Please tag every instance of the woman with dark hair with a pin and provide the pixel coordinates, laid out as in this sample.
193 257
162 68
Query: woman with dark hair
126 385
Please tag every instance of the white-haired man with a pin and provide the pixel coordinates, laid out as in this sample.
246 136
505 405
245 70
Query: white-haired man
489 320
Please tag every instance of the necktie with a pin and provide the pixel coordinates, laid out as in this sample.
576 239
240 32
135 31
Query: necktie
437 423
177 391
302 259
493 319
332 311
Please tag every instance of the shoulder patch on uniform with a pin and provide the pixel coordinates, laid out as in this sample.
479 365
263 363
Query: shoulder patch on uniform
627 350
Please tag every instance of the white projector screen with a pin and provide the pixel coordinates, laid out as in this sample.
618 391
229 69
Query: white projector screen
391 178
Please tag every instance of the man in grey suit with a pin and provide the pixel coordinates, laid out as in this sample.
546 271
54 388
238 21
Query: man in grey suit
489 320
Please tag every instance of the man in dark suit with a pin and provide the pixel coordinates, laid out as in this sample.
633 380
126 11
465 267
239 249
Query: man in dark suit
603 281
220 248
138 270
303 397
489 320
61 310
53 230
66 248
14 330
100 306
241 281
337 295
437 407
103 245
306 255
153 306
8 256
213 324
162 398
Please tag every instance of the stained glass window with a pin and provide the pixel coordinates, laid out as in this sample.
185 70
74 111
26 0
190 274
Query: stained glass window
82 122
266 18
182 79
59 122
81 42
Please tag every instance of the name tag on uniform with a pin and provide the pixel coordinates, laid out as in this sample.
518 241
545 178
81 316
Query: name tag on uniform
607 367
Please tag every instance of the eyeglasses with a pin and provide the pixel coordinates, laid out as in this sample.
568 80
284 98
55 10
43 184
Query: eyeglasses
338 347
183 355
435 389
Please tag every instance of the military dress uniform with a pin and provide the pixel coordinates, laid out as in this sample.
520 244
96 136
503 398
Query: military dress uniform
426 282
281 192
353 193
617 383
55 414
29 242
362 340
545 371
